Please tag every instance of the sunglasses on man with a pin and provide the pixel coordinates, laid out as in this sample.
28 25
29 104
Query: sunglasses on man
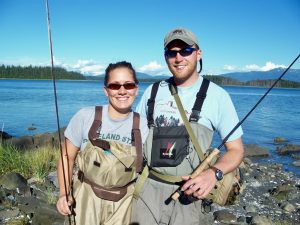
183 52
116 86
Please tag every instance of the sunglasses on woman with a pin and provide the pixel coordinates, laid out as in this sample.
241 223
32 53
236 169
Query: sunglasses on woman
116 86
183 52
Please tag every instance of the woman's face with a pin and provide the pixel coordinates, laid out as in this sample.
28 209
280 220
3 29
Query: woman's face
121 91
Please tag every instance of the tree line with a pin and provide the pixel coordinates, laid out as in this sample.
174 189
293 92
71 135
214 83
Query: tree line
225 81
38 72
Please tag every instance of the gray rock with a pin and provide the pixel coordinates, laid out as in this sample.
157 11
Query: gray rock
25 142
261 220
296 163
7 214
4 135
288 207
280 139
252 150
53 178
47 214
224 216
288 148
250 208
13 180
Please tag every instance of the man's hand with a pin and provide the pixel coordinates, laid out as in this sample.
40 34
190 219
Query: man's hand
201 185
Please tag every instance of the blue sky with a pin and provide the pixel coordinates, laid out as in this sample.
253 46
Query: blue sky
89 34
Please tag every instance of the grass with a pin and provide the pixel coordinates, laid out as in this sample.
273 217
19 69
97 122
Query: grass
36 163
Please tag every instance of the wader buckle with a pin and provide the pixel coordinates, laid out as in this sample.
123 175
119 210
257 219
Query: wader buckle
80 175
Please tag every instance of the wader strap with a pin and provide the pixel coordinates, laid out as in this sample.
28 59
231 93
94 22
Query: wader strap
164 178
137 141
201 95
95 130
140 182
111 194
151 102
148 172
186 123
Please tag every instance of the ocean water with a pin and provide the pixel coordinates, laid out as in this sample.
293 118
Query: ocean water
30 103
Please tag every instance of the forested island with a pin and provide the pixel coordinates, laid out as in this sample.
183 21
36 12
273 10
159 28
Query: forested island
38 72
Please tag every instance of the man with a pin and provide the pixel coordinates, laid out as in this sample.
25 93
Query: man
182 54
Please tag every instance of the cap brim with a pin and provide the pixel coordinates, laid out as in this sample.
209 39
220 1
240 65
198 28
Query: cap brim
185 40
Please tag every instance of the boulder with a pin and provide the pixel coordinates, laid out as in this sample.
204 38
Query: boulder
253 150
287 149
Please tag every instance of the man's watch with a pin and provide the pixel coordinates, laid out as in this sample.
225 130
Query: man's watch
218 173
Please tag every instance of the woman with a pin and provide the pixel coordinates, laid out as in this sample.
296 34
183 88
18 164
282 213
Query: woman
106 144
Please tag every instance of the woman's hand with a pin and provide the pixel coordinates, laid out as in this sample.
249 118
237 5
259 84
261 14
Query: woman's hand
63 206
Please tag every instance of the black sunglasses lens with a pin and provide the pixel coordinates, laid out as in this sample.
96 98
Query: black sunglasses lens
170 53
186 51
183 52
127 86
114 86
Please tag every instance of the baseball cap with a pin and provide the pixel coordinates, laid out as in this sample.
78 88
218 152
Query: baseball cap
182 34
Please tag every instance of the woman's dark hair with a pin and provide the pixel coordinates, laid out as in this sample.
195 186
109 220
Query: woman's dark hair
122 64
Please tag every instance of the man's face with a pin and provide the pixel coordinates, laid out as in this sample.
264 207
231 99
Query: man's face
182 65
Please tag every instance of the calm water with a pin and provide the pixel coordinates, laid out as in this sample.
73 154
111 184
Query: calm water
26 103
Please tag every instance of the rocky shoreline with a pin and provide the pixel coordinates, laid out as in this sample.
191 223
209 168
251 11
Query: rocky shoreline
269 195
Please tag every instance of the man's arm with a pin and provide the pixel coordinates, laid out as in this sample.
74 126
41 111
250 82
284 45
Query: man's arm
201 185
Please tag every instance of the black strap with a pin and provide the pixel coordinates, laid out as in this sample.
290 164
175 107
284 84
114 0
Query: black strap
201 95
151 102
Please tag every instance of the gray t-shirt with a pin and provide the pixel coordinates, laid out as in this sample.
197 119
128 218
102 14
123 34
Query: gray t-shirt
115 130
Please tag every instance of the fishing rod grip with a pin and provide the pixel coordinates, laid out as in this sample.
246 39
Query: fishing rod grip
204 165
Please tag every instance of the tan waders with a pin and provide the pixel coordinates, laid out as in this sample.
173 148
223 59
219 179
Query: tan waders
104 184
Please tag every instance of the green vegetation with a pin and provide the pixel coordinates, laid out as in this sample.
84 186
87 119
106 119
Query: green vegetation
223 81
269 83
37 72
35 163
34 72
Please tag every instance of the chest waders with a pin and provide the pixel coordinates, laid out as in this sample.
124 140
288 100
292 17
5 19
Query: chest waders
103 187
159 167
165 172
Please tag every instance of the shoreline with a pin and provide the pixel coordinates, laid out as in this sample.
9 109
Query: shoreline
141 81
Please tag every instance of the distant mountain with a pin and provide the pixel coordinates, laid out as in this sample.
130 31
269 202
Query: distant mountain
141 77
292 75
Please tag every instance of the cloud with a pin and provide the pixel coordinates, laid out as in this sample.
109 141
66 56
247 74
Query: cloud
253 67
153 68
229 67
270 66
85 67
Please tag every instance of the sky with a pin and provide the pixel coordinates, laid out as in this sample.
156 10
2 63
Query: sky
87 35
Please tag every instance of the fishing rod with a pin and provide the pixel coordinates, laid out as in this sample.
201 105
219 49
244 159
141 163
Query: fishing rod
258 102
56 108
216 151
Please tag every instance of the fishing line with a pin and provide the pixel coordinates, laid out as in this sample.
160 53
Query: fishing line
267 92
56 106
